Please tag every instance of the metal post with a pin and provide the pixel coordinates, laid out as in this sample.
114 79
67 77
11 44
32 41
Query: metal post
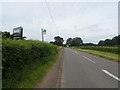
42 35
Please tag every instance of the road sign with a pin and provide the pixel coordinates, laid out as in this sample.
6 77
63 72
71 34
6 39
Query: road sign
44 31
18 33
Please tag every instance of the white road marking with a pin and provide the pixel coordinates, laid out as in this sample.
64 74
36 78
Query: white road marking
89 59
76 52
113 76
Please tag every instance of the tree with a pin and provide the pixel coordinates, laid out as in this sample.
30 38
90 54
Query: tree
51 42
68 41
118 39
76 41
58 41
115 40
108 42
101 43
7 35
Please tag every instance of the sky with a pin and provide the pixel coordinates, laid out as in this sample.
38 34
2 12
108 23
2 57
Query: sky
91 21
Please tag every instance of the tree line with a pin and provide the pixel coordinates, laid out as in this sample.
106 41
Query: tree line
108 42
77 41
70 41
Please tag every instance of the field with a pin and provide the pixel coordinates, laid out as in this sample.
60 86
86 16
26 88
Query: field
26 61
108 52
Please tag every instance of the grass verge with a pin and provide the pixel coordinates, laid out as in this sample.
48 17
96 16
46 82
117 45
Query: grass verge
111 56
34 73
23 61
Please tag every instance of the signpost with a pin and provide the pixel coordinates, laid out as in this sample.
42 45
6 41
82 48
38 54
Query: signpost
43 33
18 33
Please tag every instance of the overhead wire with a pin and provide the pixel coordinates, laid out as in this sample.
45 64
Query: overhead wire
50 13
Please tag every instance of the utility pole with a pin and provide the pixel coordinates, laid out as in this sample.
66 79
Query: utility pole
42 35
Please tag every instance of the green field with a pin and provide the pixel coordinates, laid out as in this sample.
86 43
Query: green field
25 62
108 52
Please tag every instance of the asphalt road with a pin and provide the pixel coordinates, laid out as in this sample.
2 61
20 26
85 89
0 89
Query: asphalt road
83 70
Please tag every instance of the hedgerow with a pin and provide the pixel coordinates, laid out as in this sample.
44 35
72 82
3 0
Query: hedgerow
16 54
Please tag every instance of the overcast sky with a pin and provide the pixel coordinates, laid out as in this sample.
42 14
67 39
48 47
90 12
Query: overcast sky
92 21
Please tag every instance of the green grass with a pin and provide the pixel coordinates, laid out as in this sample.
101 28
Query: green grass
109 49
21 59
33 73
108 55
36 72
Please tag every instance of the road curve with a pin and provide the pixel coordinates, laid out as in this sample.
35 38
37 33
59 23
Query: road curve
83 70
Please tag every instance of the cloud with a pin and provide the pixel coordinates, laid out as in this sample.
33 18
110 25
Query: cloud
91 21
60 0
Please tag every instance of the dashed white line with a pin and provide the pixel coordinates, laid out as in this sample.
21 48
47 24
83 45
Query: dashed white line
113 76
76 52
86 58
89 59
105 71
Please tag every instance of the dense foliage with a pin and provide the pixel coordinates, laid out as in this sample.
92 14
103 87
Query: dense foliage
19 53
58 41
77 41
6 35
114 41
107 42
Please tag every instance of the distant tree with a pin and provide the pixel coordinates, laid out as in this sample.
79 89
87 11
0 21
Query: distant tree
101 43
76 41
68 41
115 40
108 42
58 41
51 42
118 39
6 35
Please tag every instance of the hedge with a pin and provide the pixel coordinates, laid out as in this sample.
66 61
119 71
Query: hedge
16 54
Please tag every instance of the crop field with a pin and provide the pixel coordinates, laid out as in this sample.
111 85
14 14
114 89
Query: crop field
109 52
109 49
19 55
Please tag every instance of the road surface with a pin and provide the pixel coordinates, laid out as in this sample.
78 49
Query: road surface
83 70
